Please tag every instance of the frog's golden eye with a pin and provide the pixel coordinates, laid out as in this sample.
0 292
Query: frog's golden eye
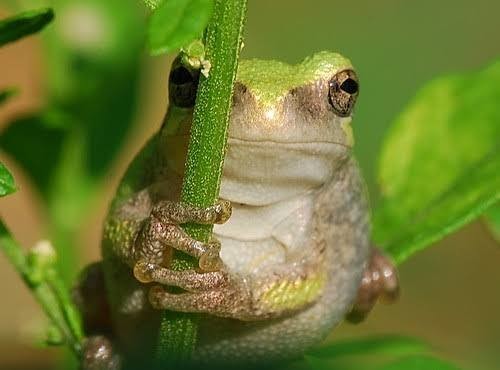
182 85
344 88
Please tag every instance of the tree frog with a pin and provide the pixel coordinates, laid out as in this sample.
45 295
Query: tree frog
291 254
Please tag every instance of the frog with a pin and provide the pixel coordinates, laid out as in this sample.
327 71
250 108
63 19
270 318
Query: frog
290 256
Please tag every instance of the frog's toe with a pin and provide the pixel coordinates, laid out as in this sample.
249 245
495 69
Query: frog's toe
385 272
210 260
144 271
223 211
380 280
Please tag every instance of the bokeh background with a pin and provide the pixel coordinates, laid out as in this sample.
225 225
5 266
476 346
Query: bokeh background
451 295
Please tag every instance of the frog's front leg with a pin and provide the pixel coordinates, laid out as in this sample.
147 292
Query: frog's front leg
380 280
161 232
213 288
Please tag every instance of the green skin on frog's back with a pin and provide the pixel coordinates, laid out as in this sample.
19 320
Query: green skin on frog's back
287 263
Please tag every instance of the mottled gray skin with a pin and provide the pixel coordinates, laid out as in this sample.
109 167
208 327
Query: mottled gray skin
301 178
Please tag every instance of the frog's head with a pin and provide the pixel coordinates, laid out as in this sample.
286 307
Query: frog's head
306 103
290 127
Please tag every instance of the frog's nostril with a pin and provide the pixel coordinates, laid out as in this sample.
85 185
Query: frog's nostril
350 86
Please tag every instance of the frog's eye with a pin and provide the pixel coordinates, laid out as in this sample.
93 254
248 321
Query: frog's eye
182 85
344 88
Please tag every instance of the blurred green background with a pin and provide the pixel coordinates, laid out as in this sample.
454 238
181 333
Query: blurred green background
450 293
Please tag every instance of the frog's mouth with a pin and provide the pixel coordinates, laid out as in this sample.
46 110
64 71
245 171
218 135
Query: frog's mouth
335 131
267 170
290 143
184 139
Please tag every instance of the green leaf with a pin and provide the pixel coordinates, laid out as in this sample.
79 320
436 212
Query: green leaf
464 201
36 147
493 220
439 164
92 84
392 345
419 363
79 73
24 24
175 23
372 352
6 94
7 184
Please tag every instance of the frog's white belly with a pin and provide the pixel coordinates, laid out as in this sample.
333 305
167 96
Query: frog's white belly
272 188
258 237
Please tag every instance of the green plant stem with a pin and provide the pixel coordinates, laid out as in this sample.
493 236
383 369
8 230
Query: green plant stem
205 157
69 311
50 294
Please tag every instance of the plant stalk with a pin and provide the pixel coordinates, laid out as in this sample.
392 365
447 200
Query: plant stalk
205 158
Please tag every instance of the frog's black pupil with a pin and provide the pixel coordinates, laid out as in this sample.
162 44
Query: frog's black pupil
350 86
180 76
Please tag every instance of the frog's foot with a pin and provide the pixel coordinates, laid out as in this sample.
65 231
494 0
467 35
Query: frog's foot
162 231
380 280
98 354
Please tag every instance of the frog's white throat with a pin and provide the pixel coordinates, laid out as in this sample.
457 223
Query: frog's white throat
264 172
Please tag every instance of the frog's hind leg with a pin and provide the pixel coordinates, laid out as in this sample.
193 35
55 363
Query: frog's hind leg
380 280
